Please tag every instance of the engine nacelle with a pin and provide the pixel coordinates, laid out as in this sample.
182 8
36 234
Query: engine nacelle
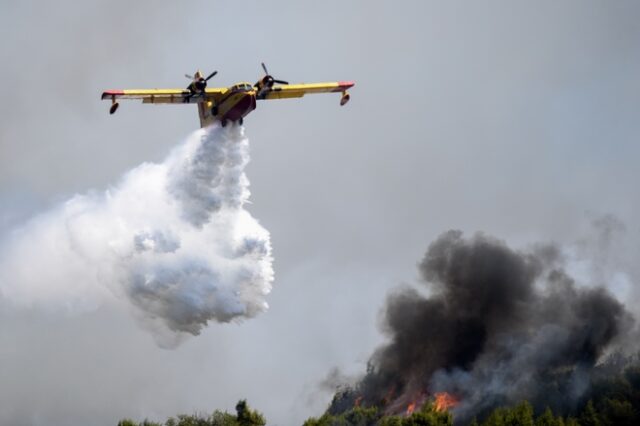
345 98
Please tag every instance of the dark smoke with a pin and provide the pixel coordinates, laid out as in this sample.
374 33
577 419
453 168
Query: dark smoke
497 327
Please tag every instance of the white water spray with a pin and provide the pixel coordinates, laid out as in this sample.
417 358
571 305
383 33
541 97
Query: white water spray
172 238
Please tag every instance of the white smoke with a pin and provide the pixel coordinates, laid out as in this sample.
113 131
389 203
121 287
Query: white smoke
172 238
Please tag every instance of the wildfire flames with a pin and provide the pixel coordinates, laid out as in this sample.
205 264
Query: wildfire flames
444 401
411 408
358 400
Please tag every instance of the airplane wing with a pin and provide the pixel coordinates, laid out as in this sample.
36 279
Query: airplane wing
165 96
299 90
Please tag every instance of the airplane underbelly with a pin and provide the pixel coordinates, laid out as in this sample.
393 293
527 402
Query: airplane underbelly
237 106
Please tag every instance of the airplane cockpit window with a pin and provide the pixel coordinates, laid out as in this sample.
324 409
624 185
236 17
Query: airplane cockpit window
242 87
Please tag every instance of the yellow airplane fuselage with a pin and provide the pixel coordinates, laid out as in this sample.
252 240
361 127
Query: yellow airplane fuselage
239 101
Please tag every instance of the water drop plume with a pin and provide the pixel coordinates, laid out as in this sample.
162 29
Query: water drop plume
173 239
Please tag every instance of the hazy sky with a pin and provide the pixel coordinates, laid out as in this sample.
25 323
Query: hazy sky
518 119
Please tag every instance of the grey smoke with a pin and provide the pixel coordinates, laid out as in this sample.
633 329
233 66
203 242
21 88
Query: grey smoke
497 326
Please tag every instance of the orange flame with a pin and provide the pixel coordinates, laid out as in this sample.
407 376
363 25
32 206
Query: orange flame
444 401
411 408
358 400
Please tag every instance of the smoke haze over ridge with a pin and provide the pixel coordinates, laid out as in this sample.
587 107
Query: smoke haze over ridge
172 238
499 326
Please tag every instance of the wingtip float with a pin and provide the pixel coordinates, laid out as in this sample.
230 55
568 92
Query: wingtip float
227 104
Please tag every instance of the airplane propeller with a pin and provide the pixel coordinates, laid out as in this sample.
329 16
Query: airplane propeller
190 77
201 83
211 75
268 80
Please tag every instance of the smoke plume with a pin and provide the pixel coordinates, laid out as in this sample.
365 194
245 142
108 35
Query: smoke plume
172 238
496 327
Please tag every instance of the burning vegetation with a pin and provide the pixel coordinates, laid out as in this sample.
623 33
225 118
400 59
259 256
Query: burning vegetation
497 327
445 401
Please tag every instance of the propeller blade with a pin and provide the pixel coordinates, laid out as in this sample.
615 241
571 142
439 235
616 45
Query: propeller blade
281 81
190 77
264 67
211 75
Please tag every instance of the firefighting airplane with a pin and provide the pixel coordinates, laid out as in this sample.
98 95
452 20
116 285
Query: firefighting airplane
228 104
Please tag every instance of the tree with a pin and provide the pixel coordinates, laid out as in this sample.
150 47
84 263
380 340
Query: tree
548 419
589 416
361 416
245 417
496 418
248 417
520 415
618 413
390 421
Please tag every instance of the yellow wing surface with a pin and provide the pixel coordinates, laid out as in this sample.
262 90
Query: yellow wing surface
182 96
165 96
299 90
